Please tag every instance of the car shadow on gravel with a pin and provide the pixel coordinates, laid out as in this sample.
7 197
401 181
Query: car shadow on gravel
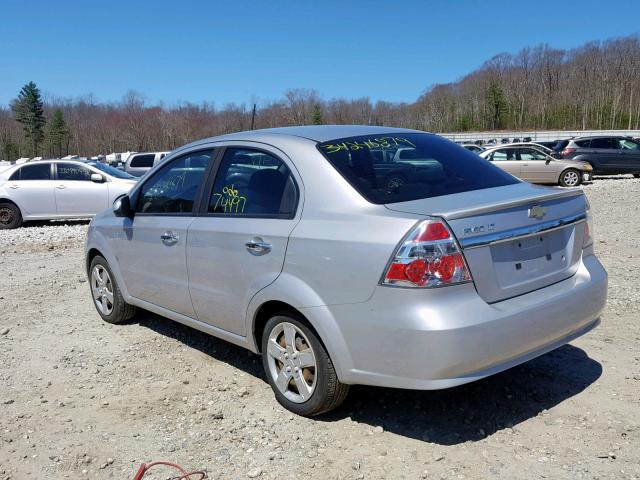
476 410
55 223
447 417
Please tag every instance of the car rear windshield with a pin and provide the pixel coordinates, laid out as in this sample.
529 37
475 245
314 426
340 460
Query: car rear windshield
410 166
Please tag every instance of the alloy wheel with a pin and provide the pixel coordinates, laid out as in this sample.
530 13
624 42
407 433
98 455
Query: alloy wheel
102 289
292 362
571 179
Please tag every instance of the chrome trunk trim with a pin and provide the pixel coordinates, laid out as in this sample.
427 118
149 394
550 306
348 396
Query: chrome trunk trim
521 232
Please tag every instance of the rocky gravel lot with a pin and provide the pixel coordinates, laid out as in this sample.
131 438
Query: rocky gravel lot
80 398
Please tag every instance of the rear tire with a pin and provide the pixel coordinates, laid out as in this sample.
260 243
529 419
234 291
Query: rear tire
10 216
107 297
295 361
636 175
570 178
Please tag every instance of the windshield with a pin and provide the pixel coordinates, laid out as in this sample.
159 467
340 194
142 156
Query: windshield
411 166
114 172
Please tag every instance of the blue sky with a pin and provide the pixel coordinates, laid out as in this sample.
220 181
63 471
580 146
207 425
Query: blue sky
245 51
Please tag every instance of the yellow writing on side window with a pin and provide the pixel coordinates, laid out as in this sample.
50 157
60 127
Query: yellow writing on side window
229 201
369 143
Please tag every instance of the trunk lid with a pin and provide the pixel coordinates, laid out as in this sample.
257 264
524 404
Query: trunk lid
516 238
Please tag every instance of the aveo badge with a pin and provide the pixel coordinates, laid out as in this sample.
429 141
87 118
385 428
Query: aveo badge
479 229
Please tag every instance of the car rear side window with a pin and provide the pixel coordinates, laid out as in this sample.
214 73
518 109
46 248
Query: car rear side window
602 142
253 183
174 187
142 161
424 166
503 155
582 143
40 171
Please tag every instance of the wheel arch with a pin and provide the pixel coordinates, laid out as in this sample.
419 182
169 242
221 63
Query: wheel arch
91 254
267 310
12 202
572 168
292 294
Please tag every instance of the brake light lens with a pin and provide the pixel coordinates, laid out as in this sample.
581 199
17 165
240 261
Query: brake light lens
567 152
428 257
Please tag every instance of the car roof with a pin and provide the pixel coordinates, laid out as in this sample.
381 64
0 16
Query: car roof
49 160
589 137
315 133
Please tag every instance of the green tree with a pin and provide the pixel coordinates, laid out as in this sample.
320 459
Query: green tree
29 111
57 134
9 150
317 118
498 107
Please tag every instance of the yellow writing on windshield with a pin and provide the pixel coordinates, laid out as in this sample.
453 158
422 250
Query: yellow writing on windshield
370 144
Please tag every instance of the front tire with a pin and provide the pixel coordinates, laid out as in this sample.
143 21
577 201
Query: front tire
107 297
570 178
10 216
298 367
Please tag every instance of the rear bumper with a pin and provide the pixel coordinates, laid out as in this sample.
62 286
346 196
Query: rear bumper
440 338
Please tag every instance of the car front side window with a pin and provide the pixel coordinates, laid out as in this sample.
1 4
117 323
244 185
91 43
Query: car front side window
173 189
253 183
626 144
529 154
70 171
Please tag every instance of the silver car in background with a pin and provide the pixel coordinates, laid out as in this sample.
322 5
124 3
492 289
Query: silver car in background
291 243
58 189
536 165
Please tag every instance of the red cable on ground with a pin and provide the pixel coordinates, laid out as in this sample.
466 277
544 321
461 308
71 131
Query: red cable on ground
144 468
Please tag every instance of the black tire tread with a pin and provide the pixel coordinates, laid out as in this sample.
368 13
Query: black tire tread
336 392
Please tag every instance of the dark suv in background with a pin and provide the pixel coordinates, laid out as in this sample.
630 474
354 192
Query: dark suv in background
607 155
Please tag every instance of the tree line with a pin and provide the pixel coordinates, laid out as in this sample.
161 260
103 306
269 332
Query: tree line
595 86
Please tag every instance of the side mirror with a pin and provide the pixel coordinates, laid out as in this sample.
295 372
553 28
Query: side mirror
97 178
122 207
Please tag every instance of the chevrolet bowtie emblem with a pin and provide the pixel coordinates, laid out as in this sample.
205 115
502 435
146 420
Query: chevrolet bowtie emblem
537 212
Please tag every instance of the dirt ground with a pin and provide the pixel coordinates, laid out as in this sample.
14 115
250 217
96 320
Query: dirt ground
80 398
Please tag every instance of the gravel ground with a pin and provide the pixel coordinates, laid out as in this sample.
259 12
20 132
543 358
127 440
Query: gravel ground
80 398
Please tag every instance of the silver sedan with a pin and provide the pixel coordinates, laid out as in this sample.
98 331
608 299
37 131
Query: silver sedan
58 189
294 244
533 164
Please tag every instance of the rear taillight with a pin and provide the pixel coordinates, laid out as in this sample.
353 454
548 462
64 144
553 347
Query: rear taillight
567 152
428 257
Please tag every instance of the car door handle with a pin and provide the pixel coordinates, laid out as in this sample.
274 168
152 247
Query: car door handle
258 246
169 238
14 186
61 187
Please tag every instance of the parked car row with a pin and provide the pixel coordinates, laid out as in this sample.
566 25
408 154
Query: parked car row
565 162
81 188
